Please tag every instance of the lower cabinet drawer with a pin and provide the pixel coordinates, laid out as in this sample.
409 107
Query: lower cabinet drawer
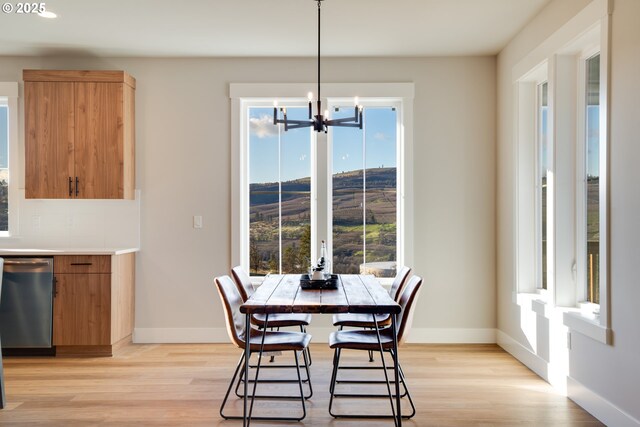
70 264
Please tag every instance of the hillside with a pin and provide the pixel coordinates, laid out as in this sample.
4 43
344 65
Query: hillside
348 215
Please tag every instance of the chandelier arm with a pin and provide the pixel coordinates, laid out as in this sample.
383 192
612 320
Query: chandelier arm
343 120
342 124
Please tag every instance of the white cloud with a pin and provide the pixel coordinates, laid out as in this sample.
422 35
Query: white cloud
262 126
303 157
380 136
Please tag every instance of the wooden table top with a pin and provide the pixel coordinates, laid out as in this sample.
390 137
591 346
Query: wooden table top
355 294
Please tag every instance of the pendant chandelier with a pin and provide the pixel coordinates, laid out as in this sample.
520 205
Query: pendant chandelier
319 122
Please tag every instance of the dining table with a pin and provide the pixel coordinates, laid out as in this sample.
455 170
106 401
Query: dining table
355 293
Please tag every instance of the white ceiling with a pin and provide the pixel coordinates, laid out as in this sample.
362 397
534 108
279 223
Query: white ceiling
204 28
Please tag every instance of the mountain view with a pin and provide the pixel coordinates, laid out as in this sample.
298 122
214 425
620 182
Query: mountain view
348 219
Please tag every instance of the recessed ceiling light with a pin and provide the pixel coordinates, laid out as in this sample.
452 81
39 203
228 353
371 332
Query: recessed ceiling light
47 14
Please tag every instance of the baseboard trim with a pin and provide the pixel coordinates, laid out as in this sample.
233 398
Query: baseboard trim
320 334
598 406
179 335
531 360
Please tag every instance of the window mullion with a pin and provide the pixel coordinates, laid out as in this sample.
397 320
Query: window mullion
364 190
280 198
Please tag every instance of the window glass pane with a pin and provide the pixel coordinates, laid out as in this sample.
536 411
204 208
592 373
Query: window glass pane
542 174
348 197
364 194
4 168
593 178
295 166
380 191
279 194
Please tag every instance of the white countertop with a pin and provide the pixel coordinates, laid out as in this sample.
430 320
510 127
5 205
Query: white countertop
67 251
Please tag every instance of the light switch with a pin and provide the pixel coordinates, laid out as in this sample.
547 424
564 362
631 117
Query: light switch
197 221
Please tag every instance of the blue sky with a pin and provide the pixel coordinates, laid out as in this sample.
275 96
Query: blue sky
380 136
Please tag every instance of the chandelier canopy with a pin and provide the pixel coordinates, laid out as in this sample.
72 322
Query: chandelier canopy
319 122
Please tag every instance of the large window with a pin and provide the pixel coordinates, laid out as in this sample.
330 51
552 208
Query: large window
561 131
364 197
293 189
279 194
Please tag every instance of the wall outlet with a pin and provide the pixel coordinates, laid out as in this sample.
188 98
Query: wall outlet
197 221
36 222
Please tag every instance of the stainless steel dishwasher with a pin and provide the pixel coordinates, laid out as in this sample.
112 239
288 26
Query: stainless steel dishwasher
26 307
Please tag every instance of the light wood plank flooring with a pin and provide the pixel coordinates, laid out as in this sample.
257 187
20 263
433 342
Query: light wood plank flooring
183 385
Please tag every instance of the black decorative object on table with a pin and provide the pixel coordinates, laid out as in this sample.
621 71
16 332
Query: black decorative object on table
329 282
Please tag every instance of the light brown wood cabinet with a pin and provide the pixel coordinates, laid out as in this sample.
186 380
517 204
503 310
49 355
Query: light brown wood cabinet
93 308
79 134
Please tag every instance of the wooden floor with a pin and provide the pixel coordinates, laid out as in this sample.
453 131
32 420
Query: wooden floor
183 385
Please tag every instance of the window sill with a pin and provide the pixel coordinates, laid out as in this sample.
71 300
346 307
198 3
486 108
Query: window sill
588 325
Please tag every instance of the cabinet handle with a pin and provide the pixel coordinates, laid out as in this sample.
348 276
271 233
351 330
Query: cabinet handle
81 263
77 186
70 187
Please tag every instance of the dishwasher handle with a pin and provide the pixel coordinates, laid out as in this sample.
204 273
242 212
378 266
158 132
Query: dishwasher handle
8 261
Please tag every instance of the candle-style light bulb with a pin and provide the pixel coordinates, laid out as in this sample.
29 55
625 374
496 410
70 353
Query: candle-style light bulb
275 103
355 101
326 114
310 96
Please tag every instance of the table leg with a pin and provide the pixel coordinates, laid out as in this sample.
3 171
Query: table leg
384 368
247 354
396 368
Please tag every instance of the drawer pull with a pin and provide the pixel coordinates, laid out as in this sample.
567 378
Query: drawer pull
81 263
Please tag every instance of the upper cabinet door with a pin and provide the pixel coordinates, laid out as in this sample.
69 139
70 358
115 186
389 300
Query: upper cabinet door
49 139
80 134
99 140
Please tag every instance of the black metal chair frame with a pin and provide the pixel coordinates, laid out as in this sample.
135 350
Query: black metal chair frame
393 334
244 360
384 367
306 380
256 380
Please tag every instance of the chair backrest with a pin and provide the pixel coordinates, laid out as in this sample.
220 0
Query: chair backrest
243 281
407 303
231 302
399 282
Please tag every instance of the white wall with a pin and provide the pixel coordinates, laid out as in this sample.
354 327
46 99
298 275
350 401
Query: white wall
605 379
183 169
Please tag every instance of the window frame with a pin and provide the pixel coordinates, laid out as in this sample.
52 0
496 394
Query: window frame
538 188
562 50
396 103
244 94
9 97
268 103
528 232
581 178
